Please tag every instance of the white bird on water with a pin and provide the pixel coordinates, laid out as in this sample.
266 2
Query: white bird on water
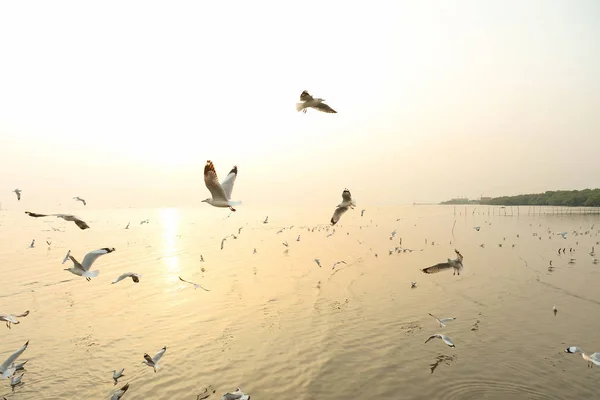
456 264
67 217
18 193
8 367
119 393
445 338
442 321
592 359
153 362
196 286
237 395
134 277
83 268
12 318
307 101
346 204
220 192
80 199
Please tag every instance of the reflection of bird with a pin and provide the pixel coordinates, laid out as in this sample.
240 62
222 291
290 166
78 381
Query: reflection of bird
153 362
307 101
220 192
119 393
456 264
445 338
346 203
67 217
80 199
18 193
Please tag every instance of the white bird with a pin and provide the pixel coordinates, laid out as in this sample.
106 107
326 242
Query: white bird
83 268
153 362
442 321
16 380
18 193
554 309
32 245
592 359
8 367
134 276
117 374
445 338
80 199
318 262
456 264
220 192
119 393
563 234
12 318
237 395
308 101
266 221
67 256
67 217
346 203
477 228
196 286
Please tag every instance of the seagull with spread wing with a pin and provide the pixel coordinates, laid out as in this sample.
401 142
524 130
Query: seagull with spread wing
221 192
83 268
119 393
445 338
12 318
307 101
134 277
67 217
80 199
346 204
8 368
456 264
196 286
153 361
442 321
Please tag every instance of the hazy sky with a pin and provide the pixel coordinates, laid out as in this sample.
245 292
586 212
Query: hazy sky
122 102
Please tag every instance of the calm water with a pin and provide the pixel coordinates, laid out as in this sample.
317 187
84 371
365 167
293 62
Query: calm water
279 326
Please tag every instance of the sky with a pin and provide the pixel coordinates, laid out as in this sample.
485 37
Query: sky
122 102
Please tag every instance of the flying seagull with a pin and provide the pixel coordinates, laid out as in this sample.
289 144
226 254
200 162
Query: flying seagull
442 321
220 192
338 262
32 245
7 368
591 359
266 221
117 374
456 264
153 362
237 395
307 101
318 262
12 318
67 217
18 193
83 268
80 199
445 338
196 286
346 203
119 393
135 277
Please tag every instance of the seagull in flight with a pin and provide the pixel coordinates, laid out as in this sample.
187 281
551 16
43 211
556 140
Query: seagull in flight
134 277
362 212
442 321
8 368
307 101
12 318
153 362
67 256
32 245
318 262
67 217
18 193
591 359
127 227
237 395
266 221
119 393
338 262
346 203
456 264
220 192
445 338
83 268
80 199
117 374
196 286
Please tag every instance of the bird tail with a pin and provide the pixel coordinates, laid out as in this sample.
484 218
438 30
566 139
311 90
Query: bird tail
299 106
91 274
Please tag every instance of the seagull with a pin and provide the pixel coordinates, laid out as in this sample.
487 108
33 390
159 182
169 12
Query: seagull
456 264
67 256
346 203
266 221
196 286
477 228
563 234
308 101
127 227
362 212
285 244
8 367
298 238
12 318
16 380
591 359
119 393
336 263
146 221
48 242
117 375
67 217
201 258
220 192
80 199
442 321
445 338
83 268
18 193
153 362
223 242
318 262
413 285
134 276
32 245
237 395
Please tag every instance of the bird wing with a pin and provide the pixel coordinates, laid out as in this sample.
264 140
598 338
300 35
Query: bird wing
123 276
437 268
595 357
119 393
432 337
338 214
76 263
436 318
35 215
26 313
78 221
212 182
10 360
90 257
159 355
228 182
447 340
443 320
324 108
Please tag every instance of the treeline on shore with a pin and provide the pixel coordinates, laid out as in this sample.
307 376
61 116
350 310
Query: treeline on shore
569 198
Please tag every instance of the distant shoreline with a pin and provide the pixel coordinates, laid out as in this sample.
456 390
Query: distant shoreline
564 198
